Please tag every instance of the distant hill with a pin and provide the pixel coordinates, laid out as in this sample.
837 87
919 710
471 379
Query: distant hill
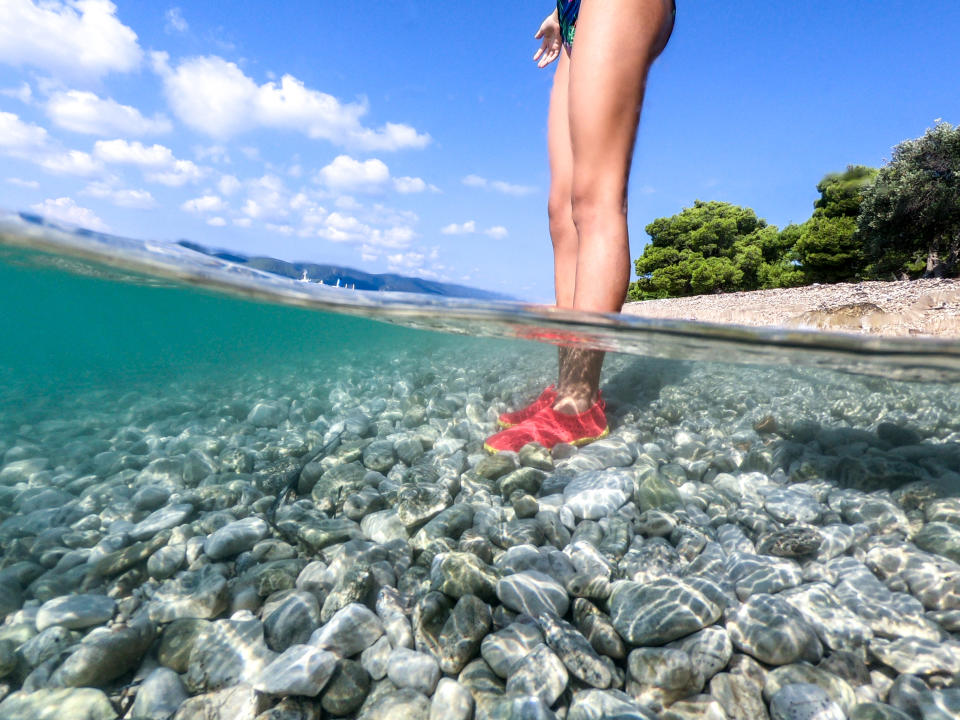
348 277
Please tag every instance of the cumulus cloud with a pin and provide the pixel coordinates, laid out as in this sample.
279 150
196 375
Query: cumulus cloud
228 184
217 221
122 197
24 93
70 162
349 175
85 112
18 136
66 210
498 232
203 204
216 97
498 186
462 229
75 38
407 185
157 162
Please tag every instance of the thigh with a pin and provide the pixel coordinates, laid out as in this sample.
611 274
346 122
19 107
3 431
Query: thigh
615 44
559 150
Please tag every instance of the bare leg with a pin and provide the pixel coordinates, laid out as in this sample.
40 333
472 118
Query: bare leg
616 42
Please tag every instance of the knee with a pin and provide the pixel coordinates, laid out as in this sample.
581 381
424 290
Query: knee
559 212
592 204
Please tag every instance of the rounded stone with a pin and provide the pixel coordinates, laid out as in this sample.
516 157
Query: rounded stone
659 611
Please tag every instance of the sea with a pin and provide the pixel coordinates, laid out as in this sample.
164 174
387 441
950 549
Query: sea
229 494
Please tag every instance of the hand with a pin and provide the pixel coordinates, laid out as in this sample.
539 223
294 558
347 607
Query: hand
549 33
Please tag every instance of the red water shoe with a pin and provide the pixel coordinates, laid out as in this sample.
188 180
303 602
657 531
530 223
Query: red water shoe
549 427
547 397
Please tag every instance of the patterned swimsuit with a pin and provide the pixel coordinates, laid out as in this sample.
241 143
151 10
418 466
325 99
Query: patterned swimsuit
567 10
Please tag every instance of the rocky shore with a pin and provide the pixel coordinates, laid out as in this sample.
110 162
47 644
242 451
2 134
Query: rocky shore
748 543
913 307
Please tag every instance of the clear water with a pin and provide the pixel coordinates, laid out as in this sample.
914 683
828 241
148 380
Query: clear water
118 356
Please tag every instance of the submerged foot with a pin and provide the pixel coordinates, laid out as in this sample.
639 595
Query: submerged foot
550 427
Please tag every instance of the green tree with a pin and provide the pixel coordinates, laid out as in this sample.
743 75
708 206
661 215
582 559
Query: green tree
910 218
827 246
711 247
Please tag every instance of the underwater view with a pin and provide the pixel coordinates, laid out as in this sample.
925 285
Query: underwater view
225 494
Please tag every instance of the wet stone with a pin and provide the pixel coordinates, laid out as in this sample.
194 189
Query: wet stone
495 466
193 594
663 675
598 629
85 703
451 701
402 704
419 503
533 593
836 688
710 651
602 704
836 626
942 538
593 495
159 696
754 574
534 455
655 492
739 695
461 634
380 456
240 702
877 711
657 612
346 690
291 620
177 642
227 653
163 519
75 612
504 648
299 670
771 630
791 542
350 631
414 670
235 538
458 573
540 673
575 652
104 655
915 656
166 561
804 702
789 505
450 523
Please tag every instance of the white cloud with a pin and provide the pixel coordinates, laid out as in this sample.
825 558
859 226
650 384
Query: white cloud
175 21
280 229
213 153
498 185
244 222
76 38
267 199
29 184
408 185
216 221
156 161
70 162
214 96
24 93
463 229
122 197
498 232
66 210
85 112
228 184
347 174
205 203
17 136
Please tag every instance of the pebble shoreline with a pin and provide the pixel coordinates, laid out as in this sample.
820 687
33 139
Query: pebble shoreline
748 543
908 307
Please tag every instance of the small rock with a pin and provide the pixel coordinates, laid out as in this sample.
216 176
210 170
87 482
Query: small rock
350 631
804 702
235 538
159 696
299 670
657 612
541 674
346 690
414 670
533 593
75 612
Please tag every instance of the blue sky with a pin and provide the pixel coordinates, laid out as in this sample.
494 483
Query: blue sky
410 136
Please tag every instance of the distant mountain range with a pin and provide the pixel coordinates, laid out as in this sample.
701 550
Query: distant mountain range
347 277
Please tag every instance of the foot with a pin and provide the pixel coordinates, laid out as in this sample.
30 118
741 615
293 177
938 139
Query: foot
547 397
550 427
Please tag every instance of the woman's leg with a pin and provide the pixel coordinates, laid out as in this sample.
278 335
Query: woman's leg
616 42
563 232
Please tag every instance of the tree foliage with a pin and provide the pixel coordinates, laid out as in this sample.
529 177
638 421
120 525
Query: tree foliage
910 218
711 247
827 246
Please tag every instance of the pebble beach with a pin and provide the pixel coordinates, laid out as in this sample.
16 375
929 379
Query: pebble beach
750 542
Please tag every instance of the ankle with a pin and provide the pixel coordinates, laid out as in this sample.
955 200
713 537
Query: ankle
574 404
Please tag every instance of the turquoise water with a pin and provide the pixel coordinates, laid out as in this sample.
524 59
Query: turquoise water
774 511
